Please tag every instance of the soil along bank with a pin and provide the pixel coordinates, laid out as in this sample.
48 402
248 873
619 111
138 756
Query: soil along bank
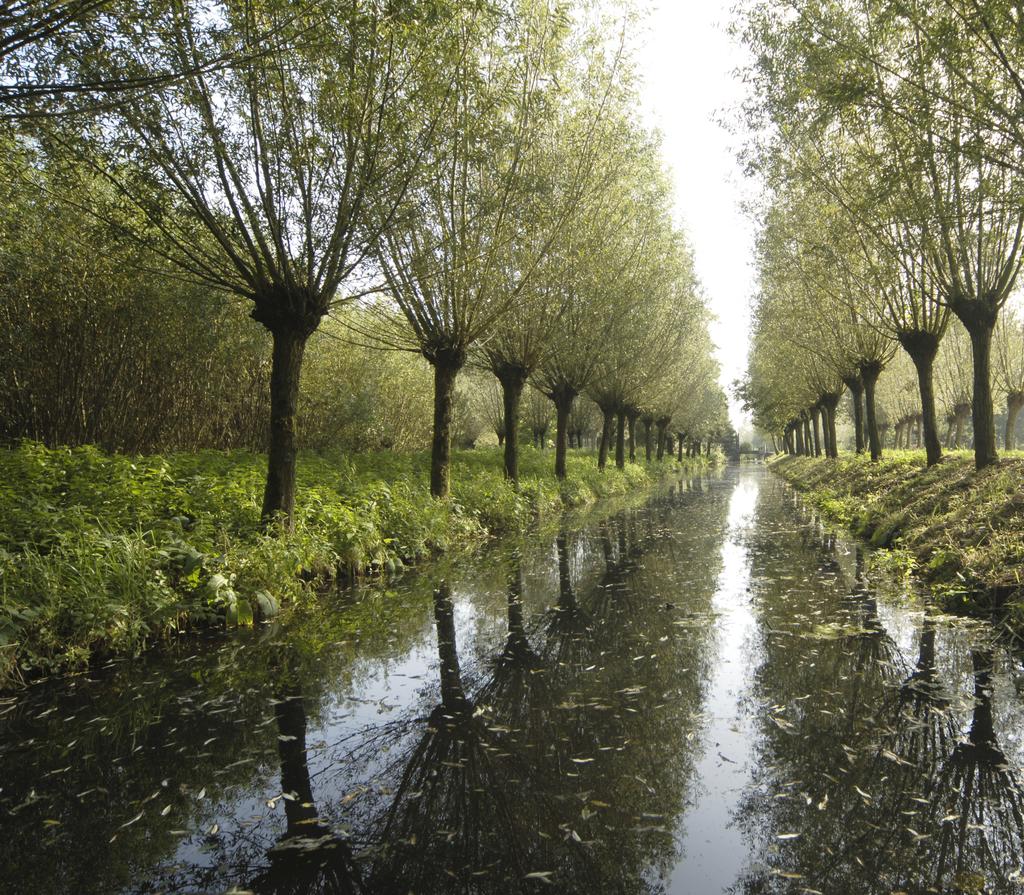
960 529
100 554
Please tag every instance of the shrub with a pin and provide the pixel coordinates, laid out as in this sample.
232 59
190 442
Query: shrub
102 553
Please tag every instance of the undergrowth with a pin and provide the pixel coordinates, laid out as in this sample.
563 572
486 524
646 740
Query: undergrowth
100 554
959 529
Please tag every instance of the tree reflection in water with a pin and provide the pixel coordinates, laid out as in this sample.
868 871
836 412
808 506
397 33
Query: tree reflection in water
309 857
547 767
497 795
892 797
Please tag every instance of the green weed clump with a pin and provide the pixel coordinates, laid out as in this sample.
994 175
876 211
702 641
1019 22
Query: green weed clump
961 529
102 553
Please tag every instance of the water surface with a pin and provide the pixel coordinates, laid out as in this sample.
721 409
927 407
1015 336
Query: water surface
709 694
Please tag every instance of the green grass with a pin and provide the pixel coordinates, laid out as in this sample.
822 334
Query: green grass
102 554
960 529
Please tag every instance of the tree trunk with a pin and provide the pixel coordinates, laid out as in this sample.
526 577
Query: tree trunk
982 412
1014 403
445 373
816 421
681 438
661 439
563 399
648 441
606 437
799 430
501 438
856 387
512 382
869 374
286 367
922 348
620 441
633 417
829 407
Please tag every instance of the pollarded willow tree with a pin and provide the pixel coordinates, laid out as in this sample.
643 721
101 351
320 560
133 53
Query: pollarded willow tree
680 397
501 182
696 409
934 87
258 179
587 264
584 124
807 343
650 307
898 292
808 314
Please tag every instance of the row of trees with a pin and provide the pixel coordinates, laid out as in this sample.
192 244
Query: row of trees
466 182
889 136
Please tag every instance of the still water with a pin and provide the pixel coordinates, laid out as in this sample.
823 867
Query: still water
705 694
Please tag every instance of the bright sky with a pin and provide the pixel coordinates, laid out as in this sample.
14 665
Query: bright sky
687 62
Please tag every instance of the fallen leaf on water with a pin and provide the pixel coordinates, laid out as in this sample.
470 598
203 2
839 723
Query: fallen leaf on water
128 823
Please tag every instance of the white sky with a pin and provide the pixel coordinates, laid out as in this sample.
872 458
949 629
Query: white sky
687 62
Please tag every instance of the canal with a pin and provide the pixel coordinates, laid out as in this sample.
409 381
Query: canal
707 693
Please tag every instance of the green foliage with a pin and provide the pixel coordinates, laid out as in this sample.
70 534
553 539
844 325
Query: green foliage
100 554
962 530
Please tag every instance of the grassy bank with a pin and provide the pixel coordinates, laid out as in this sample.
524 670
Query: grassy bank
101 554
960 530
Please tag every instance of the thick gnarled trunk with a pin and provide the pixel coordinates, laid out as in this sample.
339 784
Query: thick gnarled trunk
982 410
286 367
562 398
446 370
869 374
856 387
829 404
512 380
662 425
922 348
607 428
